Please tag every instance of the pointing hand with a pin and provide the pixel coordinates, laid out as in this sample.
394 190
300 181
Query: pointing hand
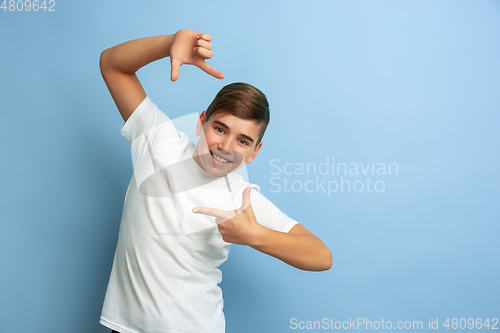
239 226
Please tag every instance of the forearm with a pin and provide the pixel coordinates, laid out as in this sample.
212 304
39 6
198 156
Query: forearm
303 251
130 56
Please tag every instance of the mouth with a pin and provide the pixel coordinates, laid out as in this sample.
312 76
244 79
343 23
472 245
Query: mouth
219 159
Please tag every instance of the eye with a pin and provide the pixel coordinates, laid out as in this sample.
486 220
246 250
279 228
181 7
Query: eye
244 142
218 128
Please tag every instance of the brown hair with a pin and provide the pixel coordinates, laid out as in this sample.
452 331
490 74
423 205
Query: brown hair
243 101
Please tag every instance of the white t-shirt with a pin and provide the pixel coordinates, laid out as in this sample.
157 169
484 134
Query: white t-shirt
165 276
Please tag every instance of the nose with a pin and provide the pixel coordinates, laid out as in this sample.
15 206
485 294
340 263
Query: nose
225 145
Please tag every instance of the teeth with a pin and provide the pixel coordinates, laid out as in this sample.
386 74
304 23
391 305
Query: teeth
218 158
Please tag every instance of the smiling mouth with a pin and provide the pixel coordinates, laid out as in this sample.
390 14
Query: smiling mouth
218 159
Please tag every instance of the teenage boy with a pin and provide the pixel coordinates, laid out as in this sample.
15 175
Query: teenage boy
164 276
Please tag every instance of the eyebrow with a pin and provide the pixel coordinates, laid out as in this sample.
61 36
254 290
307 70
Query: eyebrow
221 124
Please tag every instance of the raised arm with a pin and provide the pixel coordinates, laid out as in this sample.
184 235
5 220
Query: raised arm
120 63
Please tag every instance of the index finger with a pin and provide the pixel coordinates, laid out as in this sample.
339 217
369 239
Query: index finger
210 211
209 69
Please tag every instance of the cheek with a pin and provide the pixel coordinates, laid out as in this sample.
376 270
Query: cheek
246 153
210 138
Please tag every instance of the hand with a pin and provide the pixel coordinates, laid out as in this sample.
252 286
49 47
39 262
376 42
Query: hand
239 226
191 48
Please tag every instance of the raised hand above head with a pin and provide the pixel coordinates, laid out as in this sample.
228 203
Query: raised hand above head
191 48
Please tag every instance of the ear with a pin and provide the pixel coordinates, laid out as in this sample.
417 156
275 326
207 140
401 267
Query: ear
255 151
200 123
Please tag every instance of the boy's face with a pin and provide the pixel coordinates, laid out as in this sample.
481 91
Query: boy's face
226 143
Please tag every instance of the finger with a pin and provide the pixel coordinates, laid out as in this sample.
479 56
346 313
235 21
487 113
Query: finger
204 44
232 214
211 212
206 37
203 52
174 71
246 198
229 216
209 69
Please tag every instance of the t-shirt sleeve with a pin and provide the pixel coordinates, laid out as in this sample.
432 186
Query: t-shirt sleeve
155 142
149 123
268 214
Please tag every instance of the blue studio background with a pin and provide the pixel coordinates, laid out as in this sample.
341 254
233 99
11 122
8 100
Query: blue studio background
410 87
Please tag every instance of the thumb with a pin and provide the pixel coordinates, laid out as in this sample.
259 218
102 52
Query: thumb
246 198
174 71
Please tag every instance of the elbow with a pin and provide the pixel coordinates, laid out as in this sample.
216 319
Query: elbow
322 261
327 261
330 262
103 61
